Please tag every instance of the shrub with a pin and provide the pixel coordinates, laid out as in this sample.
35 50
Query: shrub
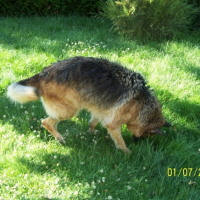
151 18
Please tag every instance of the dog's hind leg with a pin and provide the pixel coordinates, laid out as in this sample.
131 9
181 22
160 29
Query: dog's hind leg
60 103
93 123
51 125
115 133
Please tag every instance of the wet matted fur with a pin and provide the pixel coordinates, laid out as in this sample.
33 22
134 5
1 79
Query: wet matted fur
113 94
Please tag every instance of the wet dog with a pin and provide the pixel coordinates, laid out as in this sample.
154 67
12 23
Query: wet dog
112 94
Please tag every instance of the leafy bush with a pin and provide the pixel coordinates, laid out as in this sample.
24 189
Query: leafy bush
47 7
151 18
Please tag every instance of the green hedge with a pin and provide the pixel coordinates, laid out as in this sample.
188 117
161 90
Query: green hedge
196 21
48 7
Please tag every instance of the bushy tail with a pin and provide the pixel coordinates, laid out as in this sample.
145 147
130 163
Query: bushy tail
25 90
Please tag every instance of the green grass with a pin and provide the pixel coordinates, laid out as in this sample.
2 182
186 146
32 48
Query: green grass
34 166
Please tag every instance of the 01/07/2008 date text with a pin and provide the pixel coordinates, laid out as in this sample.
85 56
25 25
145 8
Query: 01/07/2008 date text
189 172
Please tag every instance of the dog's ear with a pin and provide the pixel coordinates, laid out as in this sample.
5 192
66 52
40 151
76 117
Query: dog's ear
166 124
157 131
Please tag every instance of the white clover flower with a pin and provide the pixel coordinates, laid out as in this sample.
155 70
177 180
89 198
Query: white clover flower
101 170
103 179
93 184
56 181
87 184
91 192
76 193
98 181
109 197
47 183
94 141
25 176
129 187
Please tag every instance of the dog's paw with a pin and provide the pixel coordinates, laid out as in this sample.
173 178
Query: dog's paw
61 139
127 151
90 130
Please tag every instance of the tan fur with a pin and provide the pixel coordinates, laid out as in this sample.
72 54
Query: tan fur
63 102
60 102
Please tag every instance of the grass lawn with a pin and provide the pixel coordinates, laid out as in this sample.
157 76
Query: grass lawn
35 166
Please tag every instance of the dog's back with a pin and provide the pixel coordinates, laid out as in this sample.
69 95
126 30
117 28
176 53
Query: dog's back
98 81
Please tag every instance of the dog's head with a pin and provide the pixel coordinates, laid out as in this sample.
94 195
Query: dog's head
149 120
155 130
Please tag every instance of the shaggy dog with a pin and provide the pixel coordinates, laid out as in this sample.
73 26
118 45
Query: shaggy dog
113 94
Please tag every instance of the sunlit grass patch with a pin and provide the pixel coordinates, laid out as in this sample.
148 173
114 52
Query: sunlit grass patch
35 166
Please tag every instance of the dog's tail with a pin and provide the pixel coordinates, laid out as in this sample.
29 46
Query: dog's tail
25 90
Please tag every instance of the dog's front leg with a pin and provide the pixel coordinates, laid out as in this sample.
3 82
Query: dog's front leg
115 133
51 125
93 123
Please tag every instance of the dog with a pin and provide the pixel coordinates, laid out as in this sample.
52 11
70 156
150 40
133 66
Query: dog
113 94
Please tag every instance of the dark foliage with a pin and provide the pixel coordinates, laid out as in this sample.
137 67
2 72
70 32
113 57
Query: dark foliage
196 21
48 7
